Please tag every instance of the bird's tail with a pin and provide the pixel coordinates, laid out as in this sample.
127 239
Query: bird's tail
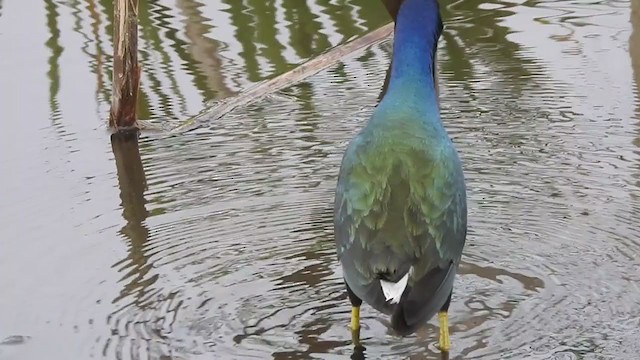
393 290
420 301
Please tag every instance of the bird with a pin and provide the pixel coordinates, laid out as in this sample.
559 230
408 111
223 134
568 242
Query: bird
400 207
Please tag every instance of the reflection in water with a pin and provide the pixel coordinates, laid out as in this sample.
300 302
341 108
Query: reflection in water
163 82
634 52
502 56
98 56
305 29
202 49
222 244
56 50
634 40
209 77
132 183
244 33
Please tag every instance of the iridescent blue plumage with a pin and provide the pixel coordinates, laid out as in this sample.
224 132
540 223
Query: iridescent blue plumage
400 209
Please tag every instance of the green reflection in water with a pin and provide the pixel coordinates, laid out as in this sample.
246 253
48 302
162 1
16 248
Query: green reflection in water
305 31
203 59
634 53
153 21
242 20
195 47
53 43
265 25
342 16
481 29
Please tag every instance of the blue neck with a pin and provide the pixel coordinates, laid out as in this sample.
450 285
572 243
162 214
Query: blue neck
418 27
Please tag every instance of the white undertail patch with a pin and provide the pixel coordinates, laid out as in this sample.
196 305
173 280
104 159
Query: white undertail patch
393 291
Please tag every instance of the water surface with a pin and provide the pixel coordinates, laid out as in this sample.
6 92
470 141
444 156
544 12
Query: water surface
218 243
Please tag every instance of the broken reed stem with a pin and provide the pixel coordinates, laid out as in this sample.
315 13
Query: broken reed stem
126 71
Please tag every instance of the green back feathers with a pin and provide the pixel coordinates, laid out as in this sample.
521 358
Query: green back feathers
403 197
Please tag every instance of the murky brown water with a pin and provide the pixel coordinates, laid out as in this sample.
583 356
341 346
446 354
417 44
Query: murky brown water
219 244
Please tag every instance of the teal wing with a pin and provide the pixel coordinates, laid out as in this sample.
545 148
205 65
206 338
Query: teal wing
397 210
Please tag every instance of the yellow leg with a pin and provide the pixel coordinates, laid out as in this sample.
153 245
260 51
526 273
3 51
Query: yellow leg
355 325
443 341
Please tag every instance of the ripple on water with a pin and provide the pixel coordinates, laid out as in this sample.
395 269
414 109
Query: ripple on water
239 255
224 247
239 259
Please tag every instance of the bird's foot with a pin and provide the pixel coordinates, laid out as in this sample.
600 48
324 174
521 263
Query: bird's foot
443 341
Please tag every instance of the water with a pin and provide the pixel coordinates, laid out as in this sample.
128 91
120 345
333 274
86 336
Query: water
218 243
